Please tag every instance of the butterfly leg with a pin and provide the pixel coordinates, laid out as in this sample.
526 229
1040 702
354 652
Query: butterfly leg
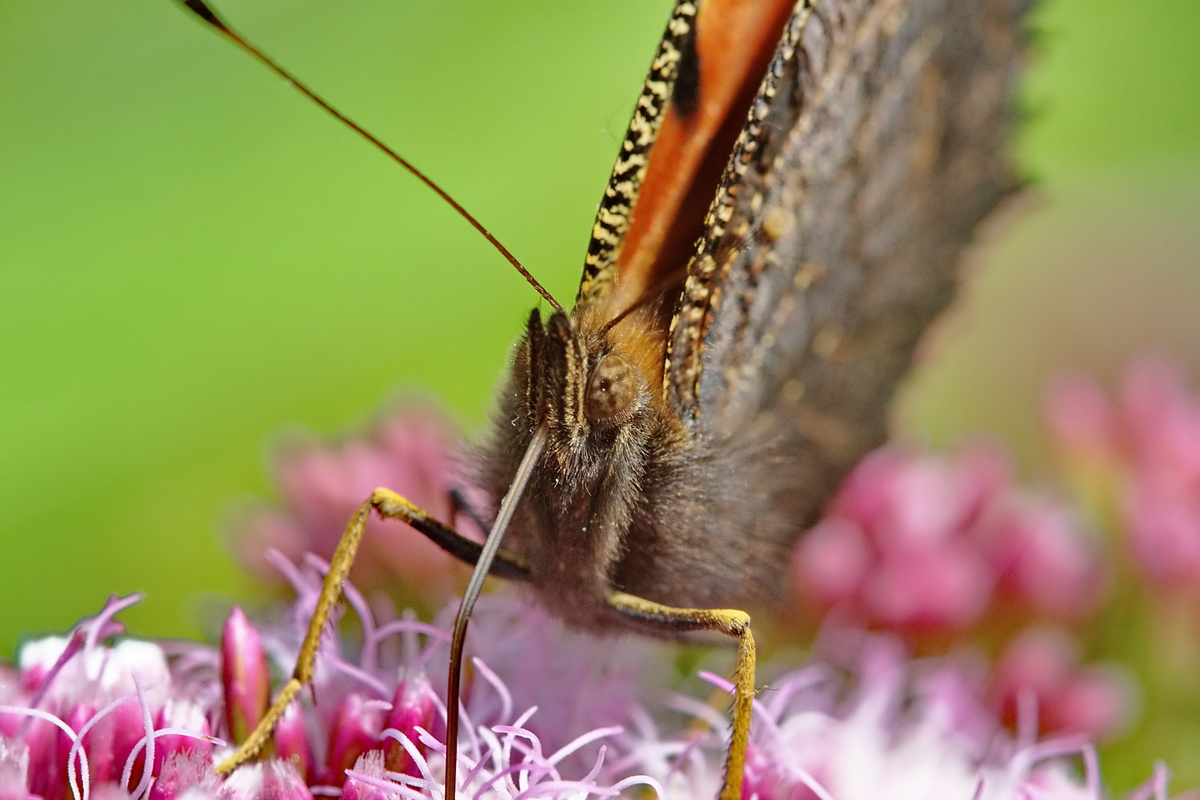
388 505
732 623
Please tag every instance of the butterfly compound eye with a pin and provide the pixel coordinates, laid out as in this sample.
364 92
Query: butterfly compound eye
612 388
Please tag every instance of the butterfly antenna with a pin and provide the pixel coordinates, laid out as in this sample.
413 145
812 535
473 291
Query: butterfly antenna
205 12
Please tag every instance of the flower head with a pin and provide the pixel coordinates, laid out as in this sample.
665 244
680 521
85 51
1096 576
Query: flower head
79 713
82 717
1041 671
883 726
864 725
1146 443
410 450
917 544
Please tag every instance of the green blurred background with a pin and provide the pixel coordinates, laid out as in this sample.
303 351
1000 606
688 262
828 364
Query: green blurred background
192 256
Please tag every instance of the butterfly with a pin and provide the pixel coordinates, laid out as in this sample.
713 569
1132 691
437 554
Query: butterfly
785 217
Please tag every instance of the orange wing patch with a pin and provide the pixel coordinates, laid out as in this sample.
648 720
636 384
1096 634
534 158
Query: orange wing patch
735 40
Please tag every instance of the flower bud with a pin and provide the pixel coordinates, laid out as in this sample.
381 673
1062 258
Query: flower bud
355 730
291 741
244 676
412 707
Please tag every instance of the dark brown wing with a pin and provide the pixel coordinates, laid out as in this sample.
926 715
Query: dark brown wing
876 145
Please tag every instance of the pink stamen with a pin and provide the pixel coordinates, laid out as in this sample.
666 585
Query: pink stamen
99 628
636 780
305 594
785 689
358 674
566 786
389 786
411 749
501 754
583 741
1027 718
77 748
502 751
726 686
73 646
148 765
696 708
506 701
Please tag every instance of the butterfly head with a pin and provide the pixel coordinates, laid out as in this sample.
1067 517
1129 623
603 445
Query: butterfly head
586 386
580 400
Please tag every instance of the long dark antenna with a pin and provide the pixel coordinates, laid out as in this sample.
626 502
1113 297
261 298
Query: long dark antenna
204 12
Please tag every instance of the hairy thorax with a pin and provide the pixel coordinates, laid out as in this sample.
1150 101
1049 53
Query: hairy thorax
625 496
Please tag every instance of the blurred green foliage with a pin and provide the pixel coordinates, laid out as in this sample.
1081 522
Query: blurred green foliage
192 256
1113 85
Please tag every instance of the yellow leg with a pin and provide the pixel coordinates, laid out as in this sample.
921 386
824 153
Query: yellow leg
732 623
389 505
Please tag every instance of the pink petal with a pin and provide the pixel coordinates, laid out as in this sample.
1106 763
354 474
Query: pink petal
1079 415
831 560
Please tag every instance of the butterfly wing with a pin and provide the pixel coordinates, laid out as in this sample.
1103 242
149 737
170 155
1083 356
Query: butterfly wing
691 108
868 141
874 148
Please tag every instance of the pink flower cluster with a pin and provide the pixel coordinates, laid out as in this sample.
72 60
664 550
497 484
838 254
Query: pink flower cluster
393 683
902 729
1146 443
322 485
923 545
1040 676
79 716
82 717
88 718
